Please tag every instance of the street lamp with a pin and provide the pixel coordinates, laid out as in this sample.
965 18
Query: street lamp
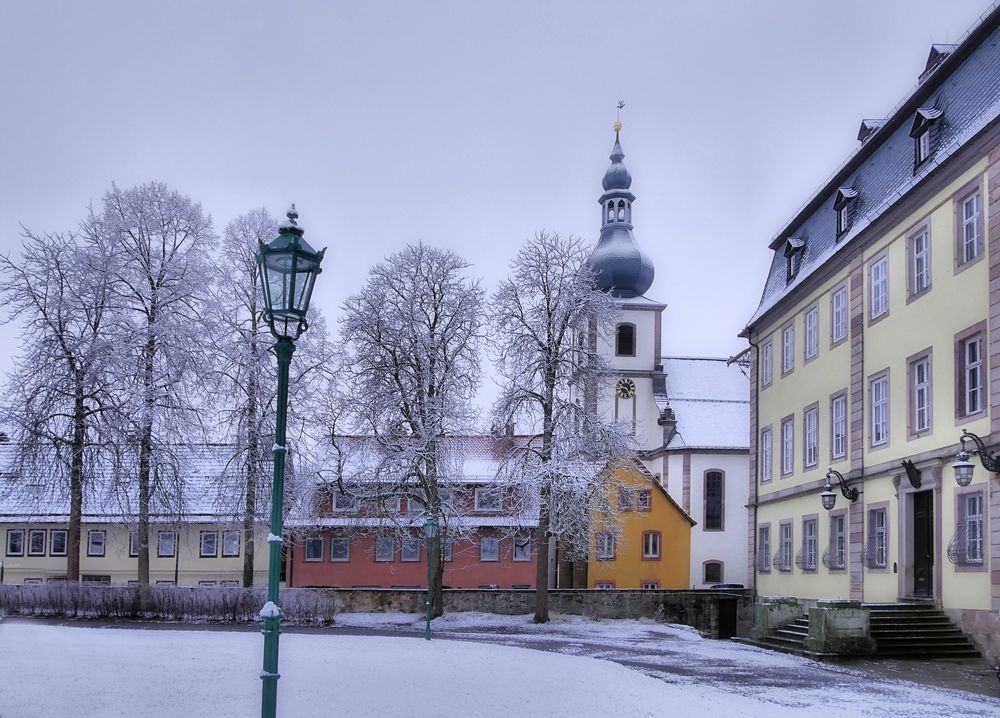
829 498
430 532
964 467
288 269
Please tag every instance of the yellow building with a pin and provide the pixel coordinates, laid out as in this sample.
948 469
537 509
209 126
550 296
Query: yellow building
651 547
875 340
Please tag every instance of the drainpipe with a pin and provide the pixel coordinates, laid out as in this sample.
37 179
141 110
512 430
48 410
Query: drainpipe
752 506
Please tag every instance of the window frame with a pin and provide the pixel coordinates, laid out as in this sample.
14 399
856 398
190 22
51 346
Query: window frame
880 260
380 555
409 549
972 190
309 548
872 563
722 500
239 542
484 556
52 542
346 542
483 491
32 533
11 533
91 552
160 536
915 286
766 454
202 535
839 398
713 562
644 500
353 502
626 498
786 545
977 333
813 342
788 446
605 546
764 538
811 411
839 516
767 362
518 552
133 543
649 584
652 539
874 404
839 291
788 348
913 390
922 146
810 542
618 339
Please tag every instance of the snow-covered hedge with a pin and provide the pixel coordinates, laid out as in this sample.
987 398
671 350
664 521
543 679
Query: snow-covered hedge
172 603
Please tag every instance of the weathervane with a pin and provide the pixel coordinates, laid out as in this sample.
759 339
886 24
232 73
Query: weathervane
618 117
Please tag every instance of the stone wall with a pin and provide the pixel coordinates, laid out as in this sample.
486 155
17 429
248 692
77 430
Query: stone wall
983 627
718 613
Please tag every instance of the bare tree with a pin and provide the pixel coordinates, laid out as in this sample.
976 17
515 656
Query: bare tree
546 319
411 338
161 242
57 395
244 380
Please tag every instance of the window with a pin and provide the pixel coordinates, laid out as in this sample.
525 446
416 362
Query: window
837 551
410 549
625 340
385 548
922 146
166 544
838 315
649 585
57 542
95 542
970 227
447 547
36 542
971 378
209 544
522 549
812 333
766 455
842 207
784 558
314 549
713 572
230 543
842 216
604 585
811 421
89 578
838 426
158 583
878 539
230 584
133 543
788 349
345 502
207 583
340 549
714 487
972 526
795 248
489 549
644 499
810 544
651 545
879 287
879 390
919 247
787 446
624 498
605 547
488 498
920 394
15 542
764 548
766 362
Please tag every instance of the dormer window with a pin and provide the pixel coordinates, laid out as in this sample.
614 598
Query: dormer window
842 204
625 340
924 132
794 249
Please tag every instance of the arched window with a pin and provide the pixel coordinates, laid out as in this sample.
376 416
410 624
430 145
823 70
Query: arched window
621 210
625 340
714 500
713 572
611 211
628 212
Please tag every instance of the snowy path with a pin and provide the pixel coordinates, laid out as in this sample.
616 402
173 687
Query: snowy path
85 672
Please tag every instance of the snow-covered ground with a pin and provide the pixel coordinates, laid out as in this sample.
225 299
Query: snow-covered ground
85 672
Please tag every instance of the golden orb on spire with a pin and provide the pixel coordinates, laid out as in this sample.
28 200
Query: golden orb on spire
618 125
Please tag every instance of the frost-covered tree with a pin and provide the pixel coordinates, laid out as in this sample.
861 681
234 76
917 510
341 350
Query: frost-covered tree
545 321
160 243
412 367
57 397
244 377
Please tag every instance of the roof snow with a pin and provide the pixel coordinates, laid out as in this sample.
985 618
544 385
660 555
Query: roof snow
711 400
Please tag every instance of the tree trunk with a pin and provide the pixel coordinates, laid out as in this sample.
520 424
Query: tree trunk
437 589
542 569
76 486
252 469
145 454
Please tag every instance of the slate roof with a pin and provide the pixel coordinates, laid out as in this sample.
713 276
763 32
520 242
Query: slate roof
206 488
965 87
711 401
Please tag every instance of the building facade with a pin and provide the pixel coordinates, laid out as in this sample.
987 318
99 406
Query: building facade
689 415
876 345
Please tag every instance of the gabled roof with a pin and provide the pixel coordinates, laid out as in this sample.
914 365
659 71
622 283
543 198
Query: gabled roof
641 469
843 196
922 117
793 245
868 128
711 402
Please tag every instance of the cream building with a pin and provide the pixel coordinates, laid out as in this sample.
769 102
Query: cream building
876 343
198 545
689 415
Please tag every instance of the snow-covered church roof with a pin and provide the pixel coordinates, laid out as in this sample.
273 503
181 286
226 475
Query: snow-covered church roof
710 399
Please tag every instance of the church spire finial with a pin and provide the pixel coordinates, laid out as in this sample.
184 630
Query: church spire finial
618 118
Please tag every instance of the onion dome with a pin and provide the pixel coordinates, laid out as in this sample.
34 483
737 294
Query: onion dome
621 266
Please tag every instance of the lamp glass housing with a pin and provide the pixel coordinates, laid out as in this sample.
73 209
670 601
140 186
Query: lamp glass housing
289 267
963 471
430 528
828 497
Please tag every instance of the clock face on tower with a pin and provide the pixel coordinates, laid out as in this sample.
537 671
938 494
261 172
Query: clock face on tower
625 388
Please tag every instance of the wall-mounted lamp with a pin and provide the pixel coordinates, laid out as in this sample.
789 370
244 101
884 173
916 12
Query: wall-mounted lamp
828 496
964 467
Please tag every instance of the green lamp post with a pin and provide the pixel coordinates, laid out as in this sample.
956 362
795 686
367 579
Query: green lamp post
430 532
288 268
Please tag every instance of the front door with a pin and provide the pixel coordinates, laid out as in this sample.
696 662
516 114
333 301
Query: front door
923 543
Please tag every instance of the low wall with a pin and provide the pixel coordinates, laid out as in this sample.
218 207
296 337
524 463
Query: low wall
716 613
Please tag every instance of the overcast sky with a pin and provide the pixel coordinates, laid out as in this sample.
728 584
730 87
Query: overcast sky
470 125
